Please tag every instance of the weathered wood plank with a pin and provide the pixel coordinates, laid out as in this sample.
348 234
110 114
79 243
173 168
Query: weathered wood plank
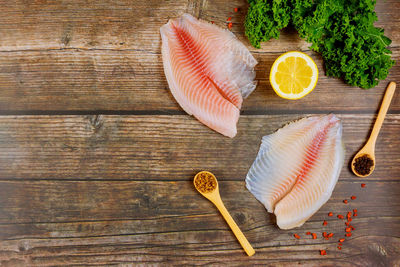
365 251
330 94
26 202
52 24
83 80
55 222
133 81
160 147
123 24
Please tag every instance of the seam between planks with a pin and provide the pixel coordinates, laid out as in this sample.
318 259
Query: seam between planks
23 180
136 50
180 112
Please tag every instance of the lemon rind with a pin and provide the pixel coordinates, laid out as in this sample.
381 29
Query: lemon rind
314 78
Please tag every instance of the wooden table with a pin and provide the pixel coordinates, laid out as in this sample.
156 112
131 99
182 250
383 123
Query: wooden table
97 158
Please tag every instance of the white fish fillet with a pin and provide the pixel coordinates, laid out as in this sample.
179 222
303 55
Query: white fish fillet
208 70
297 168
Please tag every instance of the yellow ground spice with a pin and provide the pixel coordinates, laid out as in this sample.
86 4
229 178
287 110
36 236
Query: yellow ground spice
205 182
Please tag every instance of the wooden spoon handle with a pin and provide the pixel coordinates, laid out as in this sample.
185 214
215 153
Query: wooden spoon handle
382 112
235 229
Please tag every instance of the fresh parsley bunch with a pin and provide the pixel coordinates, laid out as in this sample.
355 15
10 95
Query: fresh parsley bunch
342 31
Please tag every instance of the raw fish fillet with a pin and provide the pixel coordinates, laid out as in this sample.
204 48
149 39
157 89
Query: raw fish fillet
208 71
297 168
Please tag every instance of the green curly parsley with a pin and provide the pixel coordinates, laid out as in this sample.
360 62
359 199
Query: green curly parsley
342 31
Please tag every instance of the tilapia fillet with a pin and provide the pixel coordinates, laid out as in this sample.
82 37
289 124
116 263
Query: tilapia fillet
297 168
208 71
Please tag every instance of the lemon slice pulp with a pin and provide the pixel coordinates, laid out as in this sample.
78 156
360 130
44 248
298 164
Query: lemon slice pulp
293 75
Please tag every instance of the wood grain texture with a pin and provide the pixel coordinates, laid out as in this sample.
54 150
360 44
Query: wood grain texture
52 24
66 81
161 147
105 57
78 188
129 24
81 222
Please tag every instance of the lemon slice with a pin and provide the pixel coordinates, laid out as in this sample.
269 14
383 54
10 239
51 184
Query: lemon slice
293 75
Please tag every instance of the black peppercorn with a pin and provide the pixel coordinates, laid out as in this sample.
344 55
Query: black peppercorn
362 165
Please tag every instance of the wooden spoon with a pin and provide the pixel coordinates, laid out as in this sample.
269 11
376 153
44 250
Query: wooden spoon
215 198
369 148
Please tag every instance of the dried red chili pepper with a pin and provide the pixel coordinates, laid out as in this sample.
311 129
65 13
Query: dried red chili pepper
325 223
348 234
230 25
362 185
229 19
330 214
330 235
322 252
348 229
324 234
308 233
296 236
345 201
352 228
236 9
340 216
314 235
342 240
349 219
353 197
